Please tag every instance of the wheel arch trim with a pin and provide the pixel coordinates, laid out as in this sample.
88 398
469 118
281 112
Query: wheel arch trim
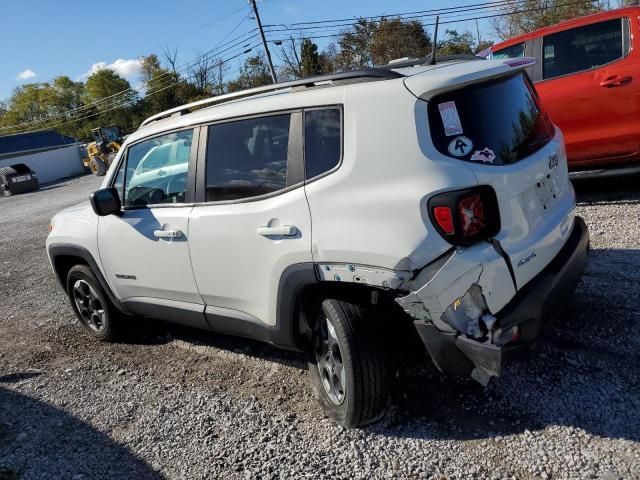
57 250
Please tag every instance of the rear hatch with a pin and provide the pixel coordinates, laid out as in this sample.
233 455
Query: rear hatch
495 125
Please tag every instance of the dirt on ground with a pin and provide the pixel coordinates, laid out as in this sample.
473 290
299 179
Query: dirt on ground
179 403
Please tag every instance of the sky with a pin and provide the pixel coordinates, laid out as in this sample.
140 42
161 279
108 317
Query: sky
40 39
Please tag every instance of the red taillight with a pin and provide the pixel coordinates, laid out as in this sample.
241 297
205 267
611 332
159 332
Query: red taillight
464 217
444 218
471 211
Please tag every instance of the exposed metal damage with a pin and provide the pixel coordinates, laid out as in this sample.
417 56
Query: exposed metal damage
364 274
463 310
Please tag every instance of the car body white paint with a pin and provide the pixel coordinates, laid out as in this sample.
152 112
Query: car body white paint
370 212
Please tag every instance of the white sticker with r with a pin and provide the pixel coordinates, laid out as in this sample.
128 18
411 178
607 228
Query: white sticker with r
450 118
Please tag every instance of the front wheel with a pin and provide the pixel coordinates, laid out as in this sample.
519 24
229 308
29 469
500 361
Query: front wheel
91 304
98 167
347 364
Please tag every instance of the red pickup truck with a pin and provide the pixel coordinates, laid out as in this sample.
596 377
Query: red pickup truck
588 77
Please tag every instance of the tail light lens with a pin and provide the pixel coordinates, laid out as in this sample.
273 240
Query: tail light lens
464 217
471 211
444 218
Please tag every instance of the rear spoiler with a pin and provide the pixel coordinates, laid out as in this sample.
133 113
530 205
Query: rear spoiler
430 83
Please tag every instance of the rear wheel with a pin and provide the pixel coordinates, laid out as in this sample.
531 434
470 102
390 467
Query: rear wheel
91 305
98 167
347 364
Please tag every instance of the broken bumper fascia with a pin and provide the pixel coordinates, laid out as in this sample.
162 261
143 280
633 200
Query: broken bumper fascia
518 321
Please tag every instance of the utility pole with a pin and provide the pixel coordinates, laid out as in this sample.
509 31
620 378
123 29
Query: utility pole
264 42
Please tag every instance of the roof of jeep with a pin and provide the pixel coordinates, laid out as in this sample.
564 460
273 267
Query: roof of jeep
446 72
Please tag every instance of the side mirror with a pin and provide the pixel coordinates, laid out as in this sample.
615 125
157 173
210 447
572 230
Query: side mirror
105 201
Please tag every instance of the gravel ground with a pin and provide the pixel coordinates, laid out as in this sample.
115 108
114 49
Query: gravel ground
177 403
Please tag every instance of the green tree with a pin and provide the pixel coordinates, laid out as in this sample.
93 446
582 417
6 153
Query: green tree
395 38
370 43
456 44
254 73
520 17
353 46
310 59
40 105
117 101
161 91
300 58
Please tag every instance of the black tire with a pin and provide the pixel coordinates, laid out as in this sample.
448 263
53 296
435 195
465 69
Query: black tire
98 167
364 393
5 173
81 277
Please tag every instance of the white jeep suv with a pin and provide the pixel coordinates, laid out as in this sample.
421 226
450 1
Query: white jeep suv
317 214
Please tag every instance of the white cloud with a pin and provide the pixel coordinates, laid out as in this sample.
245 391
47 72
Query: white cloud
127 68
291 10
26 74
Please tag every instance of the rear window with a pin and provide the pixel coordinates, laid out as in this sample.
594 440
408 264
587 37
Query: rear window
497 122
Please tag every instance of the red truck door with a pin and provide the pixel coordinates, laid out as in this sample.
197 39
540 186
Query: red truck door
590 86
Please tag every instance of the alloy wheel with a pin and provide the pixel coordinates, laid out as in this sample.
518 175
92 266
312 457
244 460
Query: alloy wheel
329 361
89 305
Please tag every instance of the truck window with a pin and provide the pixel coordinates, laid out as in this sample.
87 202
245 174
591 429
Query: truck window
514 51
582 48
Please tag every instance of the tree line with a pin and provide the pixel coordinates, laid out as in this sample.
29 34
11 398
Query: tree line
105 98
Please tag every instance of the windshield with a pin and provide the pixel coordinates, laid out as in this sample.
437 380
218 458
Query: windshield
111 133
496 122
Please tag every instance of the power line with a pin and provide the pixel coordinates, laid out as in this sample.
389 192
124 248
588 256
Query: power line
183 35
115 107
114 97
340 28
433 12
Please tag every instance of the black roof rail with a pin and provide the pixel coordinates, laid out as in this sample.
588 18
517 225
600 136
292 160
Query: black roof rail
363 73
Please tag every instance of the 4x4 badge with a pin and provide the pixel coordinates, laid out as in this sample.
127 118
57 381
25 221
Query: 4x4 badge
460 146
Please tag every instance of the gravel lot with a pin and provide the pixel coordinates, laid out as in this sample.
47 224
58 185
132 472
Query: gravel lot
177 403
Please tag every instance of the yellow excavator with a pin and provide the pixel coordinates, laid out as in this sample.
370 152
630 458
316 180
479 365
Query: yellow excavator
102 151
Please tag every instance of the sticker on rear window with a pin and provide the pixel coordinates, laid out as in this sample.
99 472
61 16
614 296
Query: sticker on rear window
450 118
460 146
485 155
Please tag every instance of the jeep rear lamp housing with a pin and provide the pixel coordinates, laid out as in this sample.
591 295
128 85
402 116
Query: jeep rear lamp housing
464 217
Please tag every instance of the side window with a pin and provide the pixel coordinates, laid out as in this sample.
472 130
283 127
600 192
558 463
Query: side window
514 51
157 170
247 158
322 141
582 48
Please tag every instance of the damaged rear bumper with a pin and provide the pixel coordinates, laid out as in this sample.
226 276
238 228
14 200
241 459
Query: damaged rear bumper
458 352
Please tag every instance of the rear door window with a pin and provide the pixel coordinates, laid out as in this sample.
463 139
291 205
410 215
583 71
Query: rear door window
582 48
322 141
247 158
496 122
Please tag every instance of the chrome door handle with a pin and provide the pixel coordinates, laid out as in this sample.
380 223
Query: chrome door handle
167 233
285 231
